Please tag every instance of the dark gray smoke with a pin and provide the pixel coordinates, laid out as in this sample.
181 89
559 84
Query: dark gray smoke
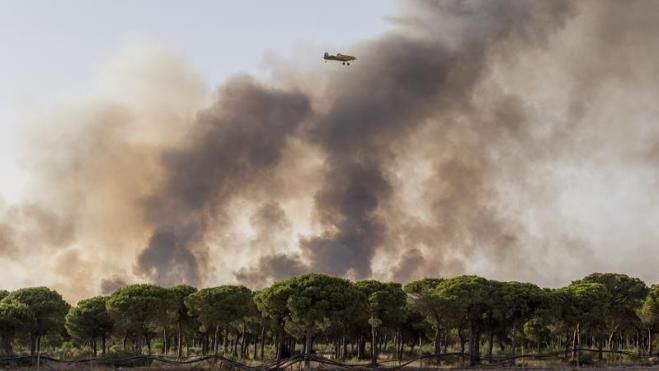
271 268
347 206
404 82
172 247
232 148
408 266
272 228
112 284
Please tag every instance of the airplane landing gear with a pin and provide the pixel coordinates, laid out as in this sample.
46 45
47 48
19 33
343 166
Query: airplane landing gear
343 63
348 63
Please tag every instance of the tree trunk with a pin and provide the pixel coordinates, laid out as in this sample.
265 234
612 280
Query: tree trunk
103 343
33 345
396 345
462 345
478 347
95 348
361 347
280 344
490 347
438 343
575 344
256 347
600 343
179 343
472 345
244 352
649 341
216 337
374 345
307 347
225 341
445 341
513 345
38 351
243 339
611 335
163 348
262 342
148 343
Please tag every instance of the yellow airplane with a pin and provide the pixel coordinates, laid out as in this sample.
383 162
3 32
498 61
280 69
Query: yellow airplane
344 59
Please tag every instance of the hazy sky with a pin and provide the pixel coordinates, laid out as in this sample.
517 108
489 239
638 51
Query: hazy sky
51 51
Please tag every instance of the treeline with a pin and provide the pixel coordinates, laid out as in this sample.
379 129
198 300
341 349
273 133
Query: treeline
337 318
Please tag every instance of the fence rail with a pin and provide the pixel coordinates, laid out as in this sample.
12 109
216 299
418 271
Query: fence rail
146 360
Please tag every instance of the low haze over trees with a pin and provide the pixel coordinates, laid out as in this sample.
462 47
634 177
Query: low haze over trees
334 317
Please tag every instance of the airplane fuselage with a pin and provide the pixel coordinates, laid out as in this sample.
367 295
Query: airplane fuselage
339 57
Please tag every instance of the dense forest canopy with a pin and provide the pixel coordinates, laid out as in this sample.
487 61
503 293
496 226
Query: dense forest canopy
317 313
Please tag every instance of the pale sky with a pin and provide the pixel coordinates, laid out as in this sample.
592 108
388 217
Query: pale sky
51 50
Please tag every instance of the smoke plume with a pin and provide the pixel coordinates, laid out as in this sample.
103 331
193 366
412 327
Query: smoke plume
496 137
232 148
